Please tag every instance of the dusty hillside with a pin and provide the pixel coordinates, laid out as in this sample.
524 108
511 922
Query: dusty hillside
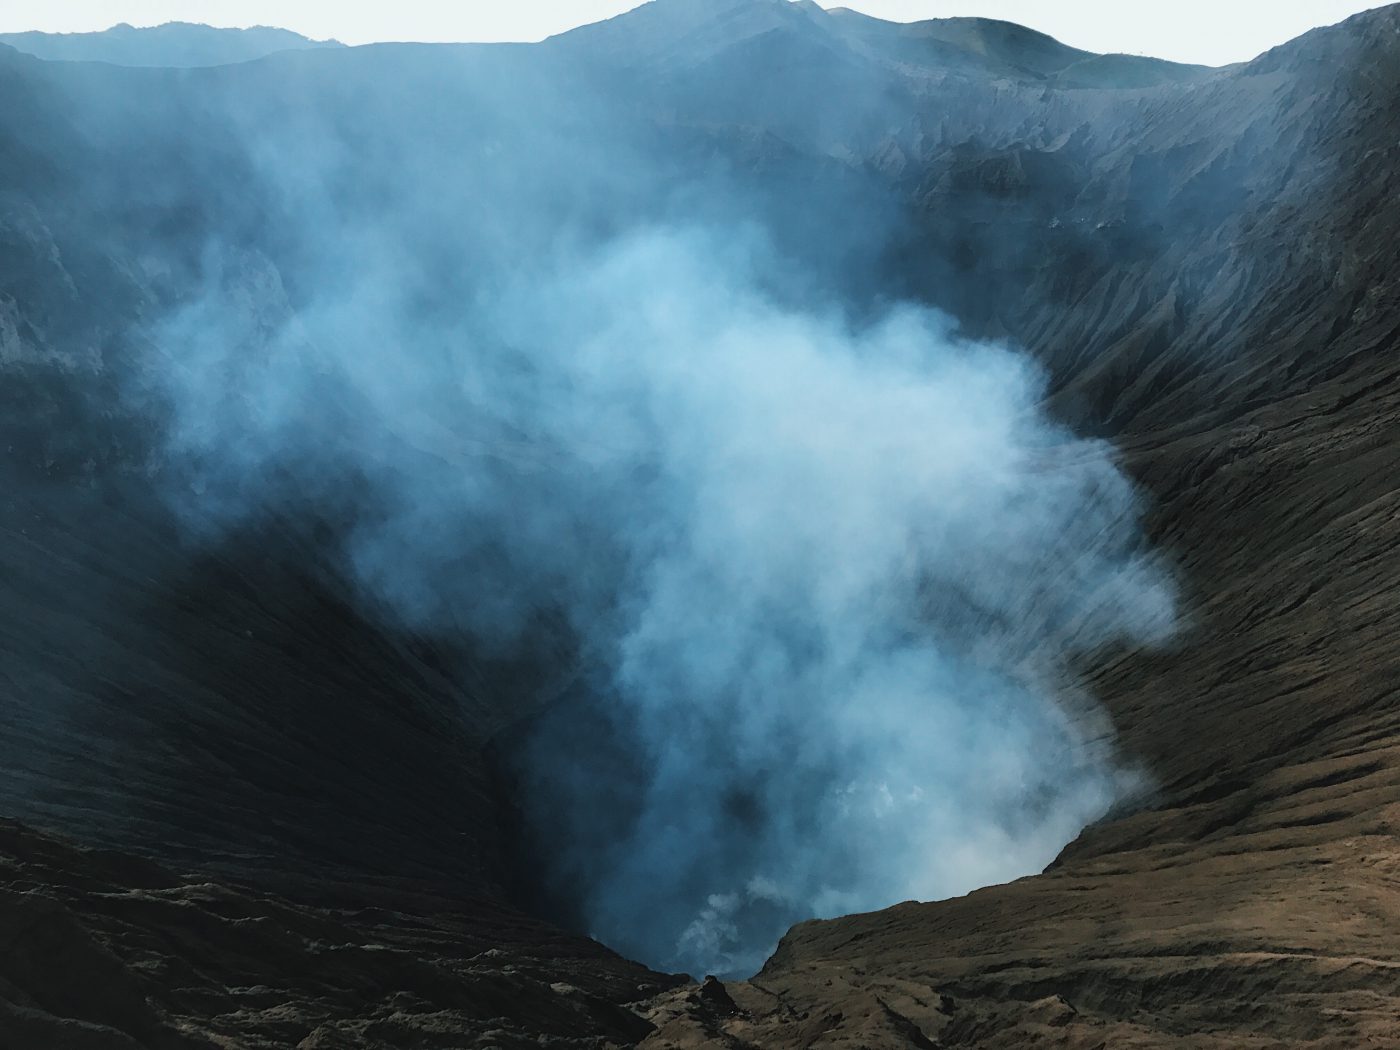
1205 262
1245 364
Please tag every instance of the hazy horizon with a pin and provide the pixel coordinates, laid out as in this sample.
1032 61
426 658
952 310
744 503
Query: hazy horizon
1237 33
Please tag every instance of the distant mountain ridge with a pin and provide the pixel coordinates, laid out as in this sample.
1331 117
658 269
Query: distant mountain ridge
1012 50
172 45
663 32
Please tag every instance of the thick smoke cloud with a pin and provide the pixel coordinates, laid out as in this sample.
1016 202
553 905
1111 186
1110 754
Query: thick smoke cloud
820 565
817 568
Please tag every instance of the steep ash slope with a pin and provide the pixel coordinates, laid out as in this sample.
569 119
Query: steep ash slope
1206 267
1235 336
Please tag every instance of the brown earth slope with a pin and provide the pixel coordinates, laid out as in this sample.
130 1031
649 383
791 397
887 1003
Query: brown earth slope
1248 368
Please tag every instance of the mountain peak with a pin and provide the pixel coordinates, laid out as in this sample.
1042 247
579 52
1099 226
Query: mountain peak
690 32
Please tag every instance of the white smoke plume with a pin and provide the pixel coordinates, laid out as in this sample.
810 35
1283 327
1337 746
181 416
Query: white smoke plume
823 574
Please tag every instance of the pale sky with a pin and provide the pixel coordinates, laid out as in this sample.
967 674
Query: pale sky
1215 32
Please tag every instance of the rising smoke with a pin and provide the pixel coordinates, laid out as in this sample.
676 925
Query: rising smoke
822 563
